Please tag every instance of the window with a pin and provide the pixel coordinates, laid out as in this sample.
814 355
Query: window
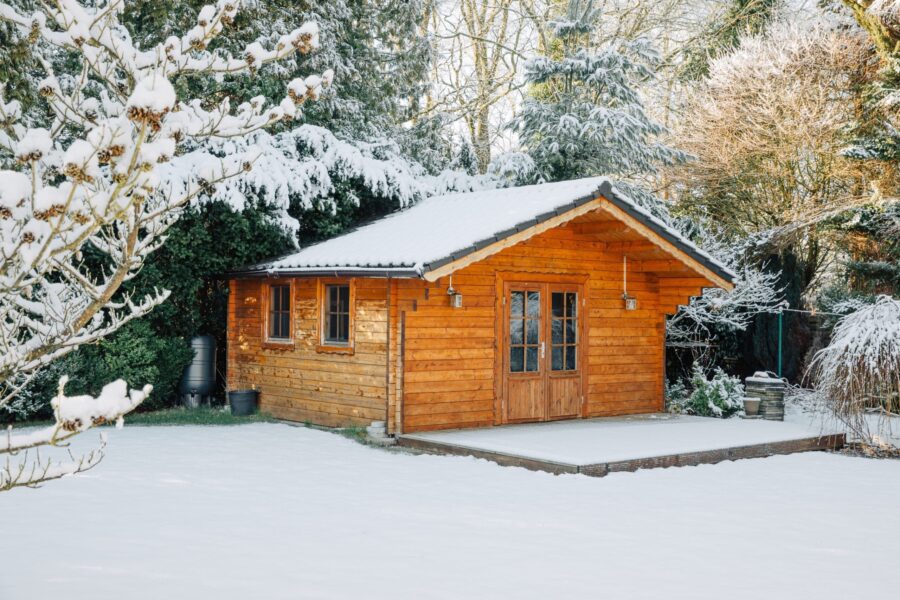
336 315
564 331
279 312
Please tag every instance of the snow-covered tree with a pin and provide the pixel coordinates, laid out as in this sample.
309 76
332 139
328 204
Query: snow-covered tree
89 194
354 156
586 114
769 127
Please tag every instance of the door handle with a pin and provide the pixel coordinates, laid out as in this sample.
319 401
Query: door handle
542 349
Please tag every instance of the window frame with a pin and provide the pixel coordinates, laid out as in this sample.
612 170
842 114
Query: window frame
268 340
324 345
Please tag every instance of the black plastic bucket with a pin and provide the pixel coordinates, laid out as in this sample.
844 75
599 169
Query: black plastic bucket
243 402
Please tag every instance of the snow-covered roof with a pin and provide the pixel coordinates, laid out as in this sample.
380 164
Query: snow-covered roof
442 229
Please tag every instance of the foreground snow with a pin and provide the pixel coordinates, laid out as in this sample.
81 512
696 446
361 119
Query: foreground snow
272 511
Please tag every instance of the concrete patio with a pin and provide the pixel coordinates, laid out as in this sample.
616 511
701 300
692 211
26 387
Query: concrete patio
605 445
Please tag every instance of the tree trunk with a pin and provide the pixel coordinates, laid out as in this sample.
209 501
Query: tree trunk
482 138
886 40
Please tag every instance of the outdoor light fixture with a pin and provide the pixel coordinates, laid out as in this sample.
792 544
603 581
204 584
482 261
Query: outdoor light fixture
455 297
630 301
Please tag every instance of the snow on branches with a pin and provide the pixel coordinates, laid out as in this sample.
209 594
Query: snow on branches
85 198
858 373
73 415
756 291
305 165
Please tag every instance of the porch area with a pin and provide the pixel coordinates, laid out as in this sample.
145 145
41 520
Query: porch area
600 446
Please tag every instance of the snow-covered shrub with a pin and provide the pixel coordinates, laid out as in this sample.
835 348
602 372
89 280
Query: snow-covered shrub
721 396
858 373
676 394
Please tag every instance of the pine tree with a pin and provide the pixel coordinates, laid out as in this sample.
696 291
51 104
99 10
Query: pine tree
586 115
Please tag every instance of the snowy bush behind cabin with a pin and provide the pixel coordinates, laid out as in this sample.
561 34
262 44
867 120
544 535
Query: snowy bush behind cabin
721 395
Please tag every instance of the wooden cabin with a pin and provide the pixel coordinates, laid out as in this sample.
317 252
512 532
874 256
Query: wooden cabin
469 310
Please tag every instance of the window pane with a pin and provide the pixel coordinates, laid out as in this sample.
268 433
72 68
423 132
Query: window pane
571 352
531 331
285 298
516 363
332 299
557 358
285 326
533 307
570 331
556 299
344 298
571 304
516 331
531 355
516 304
344 327
332 328
556 333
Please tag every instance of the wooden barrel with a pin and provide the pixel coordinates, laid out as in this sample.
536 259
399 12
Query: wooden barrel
770 391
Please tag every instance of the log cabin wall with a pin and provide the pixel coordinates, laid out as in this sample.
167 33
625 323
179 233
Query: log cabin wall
300 382
450 375
444 368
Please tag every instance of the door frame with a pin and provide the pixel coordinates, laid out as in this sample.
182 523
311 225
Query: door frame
501 354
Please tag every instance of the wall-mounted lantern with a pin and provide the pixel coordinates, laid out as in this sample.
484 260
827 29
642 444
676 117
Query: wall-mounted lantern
456 299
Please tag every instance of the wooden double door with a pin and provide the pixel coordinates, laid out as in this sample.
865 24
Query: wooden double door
543 351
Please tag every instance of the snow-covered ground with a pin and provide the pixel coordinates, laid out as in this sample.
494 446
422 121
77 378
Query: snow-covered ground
272 511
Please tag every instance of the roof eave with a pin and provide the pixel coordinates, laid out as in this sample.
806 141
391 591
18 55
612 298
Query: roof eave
374 272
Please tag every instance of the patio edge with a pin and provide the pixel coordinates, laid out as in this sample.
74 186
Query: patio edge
833 441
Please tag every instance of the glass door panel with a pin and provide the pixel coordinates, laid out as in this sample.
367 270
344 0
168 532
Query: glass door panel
524 331
564 331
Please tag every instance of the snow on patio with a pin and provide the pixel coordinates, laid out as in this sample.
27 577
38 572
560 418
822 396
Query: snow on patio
272 511
591 441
